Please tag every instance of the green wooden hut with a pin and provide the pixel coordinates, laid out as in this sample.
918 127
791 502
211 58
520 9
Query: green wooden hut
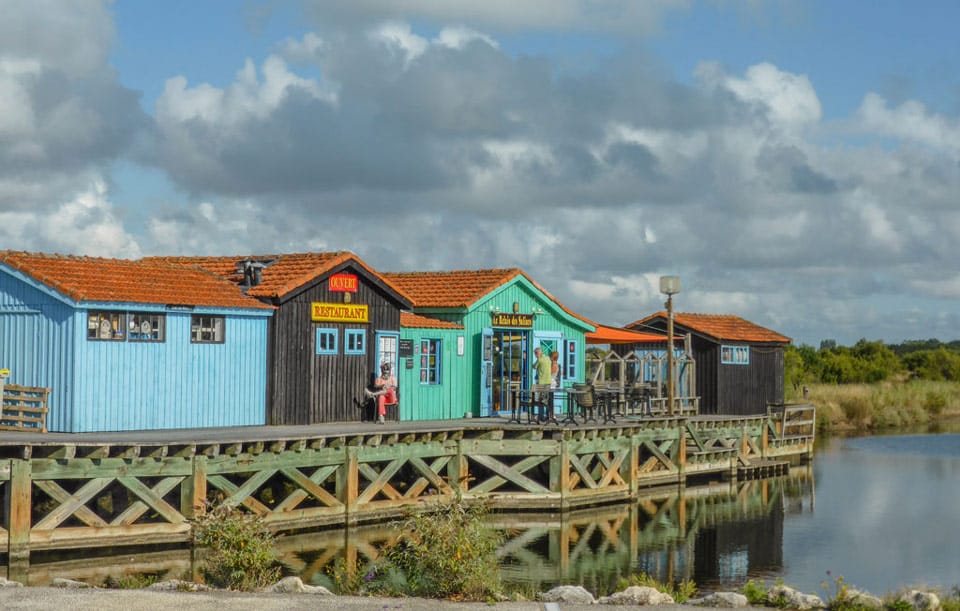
494 320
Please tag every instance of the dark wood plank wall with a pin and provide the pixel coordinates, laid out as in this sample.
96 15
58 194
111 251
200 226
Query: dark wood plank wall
706 355
734 389
746 389
306 387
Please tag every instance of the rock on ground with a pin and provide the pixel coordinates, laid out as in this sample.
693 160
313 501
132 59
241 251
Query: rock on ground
730 600
638 595
792 599
568 594
922 601
289 585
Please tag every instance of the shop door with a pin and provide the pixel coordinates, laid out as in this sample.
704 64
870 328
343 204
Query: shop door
549 341
511 368
387 344
486 372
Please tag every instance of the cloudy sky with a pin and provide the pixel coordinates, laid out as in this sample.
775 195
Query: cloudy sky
796 163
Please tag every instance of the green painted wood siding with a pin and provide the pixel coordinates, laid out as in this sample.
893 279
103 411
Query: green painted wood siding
459 391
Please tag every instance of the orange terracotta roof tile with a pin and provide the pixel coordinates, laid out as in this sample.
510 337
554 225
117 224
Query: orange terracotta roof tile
119 280
720 326
463 288
450 289
283 273
416 321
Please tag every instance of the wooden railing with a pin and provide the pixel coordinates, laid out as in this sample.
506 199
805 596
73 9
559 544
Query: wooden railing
24 408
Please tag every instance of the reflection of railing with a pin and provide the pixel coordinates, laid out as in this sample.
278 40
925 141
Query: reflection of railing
81 493
590 547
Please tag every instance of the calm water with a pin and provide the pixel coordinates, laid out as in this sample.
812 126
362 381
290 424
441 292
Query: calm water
883 512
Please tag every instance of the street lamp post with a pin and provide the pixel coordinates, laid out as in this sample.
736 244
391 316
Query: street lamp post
670 286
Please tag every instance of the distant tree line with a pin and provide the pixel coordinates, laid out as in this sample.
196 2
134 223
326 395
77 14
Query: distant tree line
868 362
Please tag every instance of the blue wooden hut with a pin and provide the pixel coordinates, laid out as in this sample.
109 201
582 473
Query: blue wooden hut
132 345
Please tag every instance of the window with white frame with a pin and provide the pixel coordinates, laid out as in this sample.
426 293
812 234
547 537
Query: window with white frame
146 327
326 340
355 341
430 361
207 329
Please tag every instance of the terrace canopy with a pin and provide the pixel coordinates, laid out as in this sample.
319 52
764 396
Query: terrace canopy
615 335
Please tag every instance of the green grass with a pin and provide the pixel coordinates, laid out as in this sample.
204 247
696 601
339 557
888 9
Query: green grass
884 405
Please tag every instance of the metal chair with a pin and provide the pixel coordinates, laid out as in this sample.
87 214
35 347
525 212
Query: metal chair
586 400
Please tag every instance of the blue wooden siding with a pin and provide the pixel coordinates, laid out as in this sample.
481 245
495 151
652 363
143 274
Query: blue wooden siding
37 344
173 384
112 386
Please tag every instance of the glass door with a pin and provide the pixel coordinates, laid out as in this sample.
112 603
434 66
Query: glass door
511 367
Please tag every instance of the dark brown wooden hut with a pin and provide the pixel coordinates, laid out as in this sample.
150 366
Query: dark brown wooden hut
337 320
739 364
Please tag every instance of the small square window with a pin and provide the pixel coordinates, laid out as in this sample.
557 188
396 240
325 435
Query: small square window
326 341
355 341
735 355
206 329
106 326
145 327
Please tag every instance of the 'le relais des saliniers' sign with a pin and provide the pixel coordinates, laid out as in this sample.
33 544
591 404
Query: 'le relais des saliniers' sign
522 321
339 312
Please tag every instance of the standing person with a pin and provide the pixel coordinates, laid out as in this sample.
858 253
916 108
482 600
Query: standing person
541 366
386 392
555 368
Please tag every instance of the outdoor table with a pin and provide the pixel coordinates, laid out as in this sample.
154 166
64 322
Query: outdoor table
533 399
608 398
571 397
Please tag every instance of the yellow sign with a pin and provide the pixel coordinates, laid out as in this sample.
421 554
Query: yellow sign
339 312
523 321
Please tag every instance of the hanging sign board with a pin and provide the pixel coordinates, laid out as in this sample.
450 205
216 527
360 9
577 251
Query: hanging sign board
405 348
342 283
522 321
339 312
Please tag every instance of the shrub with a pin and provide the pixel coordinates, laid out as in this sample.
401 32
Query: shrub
445 553
242 554
681 591
756 592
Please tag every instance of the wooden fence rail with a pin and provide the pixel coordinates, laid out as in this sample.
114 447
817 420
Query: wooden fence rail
83 495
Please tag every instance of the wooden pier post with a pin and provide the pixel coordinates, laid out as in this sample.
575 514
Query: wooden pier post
560 474
193 491
348 483
19 507
458 471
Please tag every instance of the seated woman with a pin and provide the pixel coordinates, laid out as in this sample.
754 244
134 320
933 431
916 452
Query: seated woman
386 392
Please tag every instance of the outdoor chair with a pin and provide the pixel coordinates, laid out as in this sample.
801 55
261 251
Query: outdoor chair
585 399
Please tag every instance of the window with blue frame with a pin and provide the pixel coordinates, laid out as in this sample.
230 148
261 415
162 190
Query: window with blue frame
355 341
430 361
326 341
570 360
735 355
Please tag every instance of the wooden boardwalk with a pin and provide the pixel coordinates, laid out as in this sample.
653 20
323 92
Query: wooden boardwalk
65 491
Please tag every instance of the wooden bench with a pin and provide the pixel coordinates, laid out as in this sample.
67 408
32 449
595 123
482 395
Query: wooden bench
24 408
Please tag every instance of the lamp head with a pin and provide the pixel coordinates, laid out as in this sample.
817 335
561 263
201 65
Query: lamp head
669 285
